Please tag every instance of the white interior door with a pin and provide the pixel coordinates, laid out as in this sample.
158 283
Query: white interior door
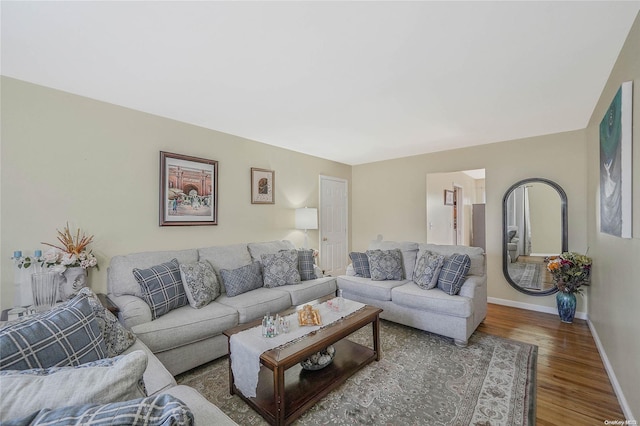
333 225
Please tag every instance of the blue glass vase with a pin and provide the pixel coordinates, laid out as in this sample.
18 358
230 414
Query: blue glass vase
566 306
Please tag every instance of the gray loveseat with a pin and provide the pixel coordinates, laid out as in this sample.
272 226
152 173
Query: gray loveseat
186 337
404 302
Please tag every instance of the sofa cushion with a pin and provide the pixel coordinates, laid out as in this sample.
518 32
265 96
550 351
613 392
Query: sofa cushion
453 272
242 279
306 264
121 281
185 325
476 254
200 283
280 268
225 257
256 250
101 382
434 300
427 270
68 334
310 290
409 254
360 262
154 410
378 290
116 338
385 264
162 287
256 303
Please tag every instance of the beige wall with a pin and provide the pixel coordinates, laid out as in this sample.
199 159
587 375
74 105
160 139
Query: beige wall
388 197
96 165
615 289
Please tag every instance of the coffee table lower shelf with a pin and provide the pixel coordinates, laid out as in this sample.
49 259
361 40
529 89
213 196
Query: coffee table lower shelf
304 388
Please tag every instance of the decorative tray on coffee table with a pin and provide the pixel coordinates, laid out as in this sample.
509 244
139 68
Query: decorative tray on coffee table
309 316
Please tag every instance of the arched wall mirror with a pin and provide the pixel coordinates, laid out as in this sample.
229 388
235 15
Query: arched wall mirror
534 226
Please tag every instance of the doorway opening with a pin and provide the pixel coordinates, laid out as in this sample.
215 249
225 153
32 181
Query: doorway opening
460 222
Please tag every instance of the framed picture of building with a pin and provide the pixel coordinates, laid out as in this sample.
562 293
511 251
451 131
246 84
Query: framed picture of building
263 185
616 165
188 190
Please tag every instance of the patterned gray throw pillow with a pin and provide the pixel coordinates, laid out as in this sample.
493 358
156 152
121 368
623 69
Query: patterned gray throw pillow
385 264
453 272
427 269
117 338
242 279
280 268
200 283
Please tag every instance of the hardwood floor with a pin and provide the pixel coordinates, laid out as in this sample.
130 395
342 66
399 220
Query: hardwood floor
572 385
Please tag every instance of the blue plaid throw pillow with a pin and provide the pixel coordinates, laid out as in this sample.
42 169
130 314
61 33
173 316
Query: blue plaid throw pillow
453 272
360 263
306 265
163 409
162 287
67 335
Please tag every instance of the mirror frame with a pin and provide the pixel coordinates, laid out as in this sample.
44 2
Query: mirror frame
564 225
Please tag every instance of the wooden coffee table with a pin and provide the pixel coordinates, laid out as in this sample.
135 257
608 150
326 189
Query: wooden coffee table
285 390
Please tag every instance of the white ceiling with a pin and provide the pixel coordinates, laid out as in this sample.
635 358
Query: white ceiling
353 82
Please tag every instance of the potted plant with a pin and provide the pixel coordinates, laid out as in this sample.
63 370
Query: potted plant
570 271
71 259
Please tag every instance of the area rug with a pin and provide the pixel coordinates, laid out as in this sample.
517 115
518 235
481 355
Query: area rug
422 379
526 275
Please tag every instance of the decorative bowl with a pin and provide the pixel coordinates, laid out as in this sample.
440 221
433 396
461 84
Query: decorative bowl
320 359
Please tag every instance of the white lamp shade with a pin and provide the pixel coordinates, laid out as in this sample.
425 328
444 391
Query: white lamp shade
306 218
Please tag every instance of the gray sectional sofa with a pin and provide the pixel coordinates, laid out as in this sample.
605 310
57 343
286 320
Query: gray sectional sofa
186 337
455 316
96 379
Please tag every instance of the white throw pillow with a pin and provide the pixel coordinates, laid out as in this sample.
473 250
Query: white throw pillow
98 382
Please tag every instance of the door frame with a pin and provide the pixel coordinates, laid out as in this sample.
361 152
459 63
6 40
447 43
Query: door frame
458 216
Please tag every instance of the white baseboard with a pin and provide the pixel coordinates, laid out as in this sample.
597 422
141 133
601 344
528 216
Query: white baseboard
626 409
531 307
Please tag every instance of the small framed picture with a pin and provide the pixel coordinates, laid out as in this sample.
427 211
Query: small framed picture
188 190
263 185
448 197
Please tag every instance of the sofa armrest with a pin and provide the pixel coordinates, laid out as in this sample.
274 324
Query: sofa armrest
133 310
156 377
471 284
